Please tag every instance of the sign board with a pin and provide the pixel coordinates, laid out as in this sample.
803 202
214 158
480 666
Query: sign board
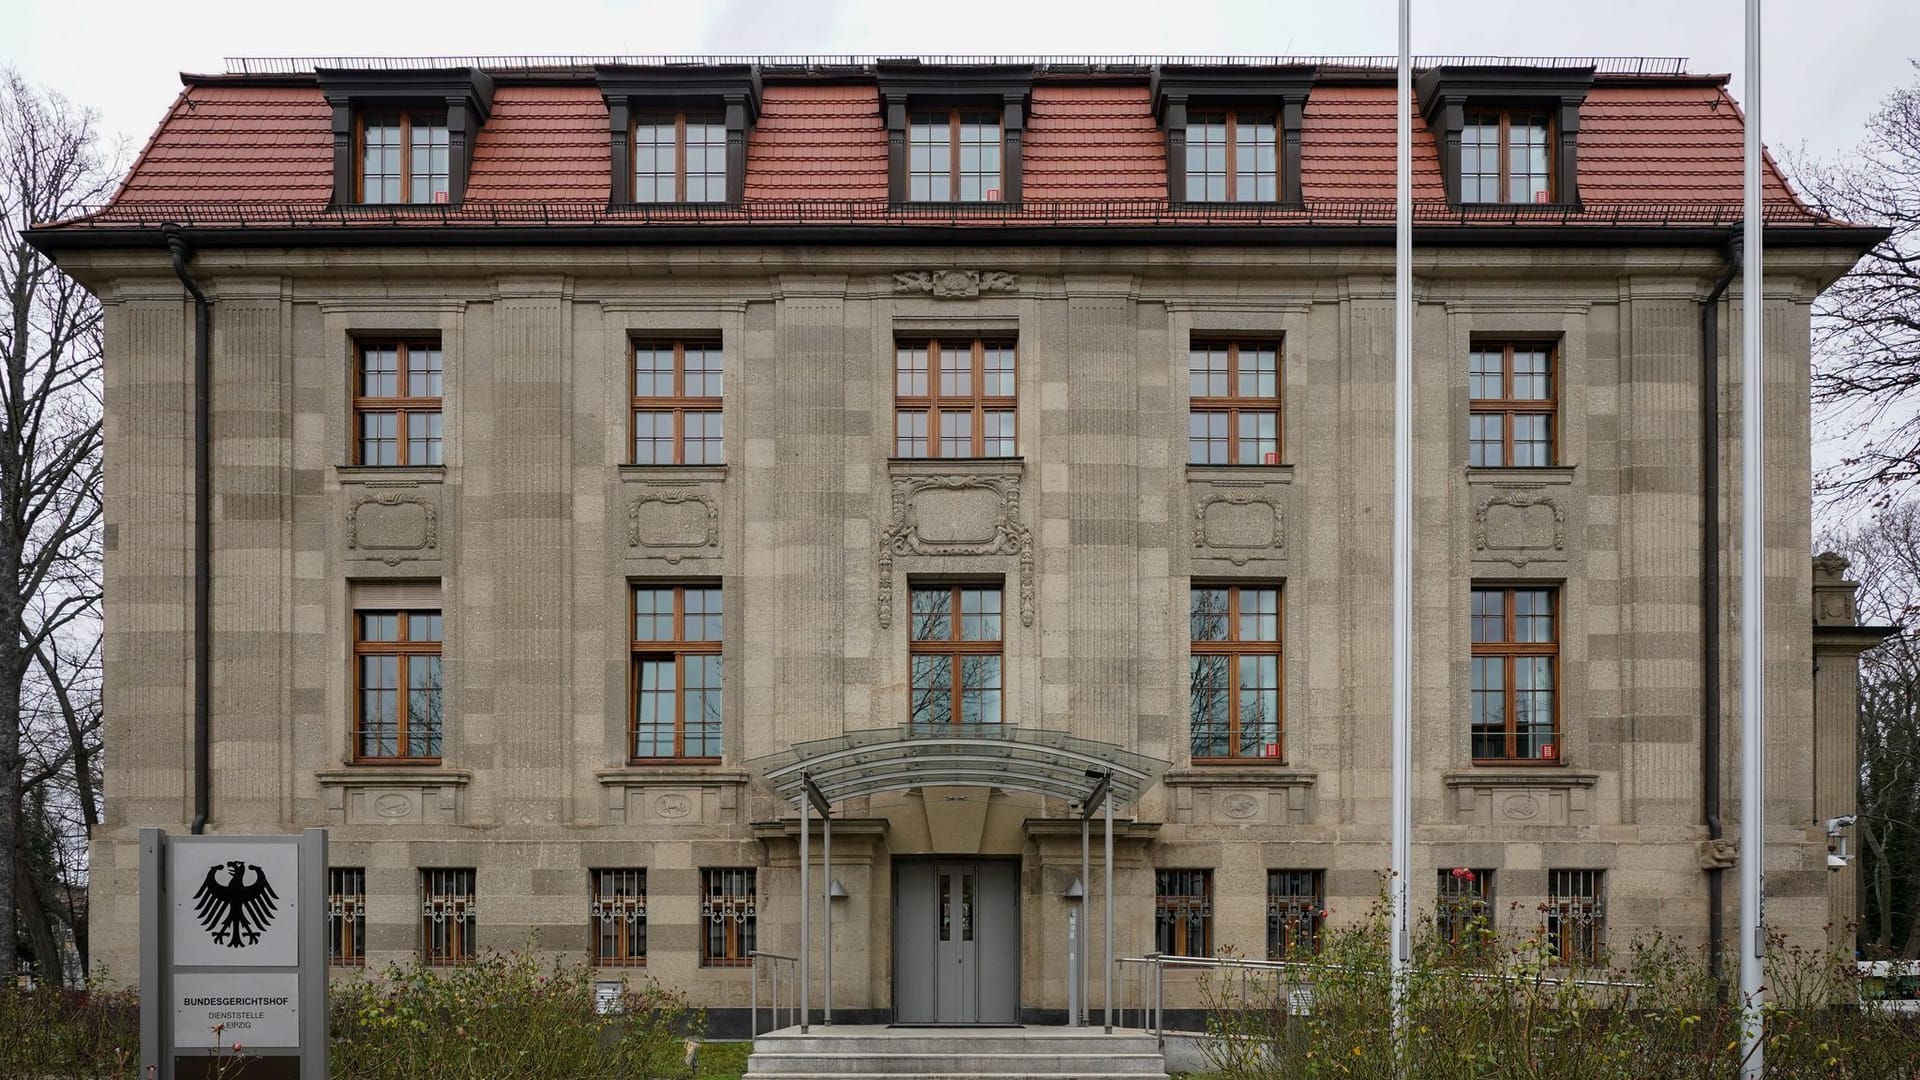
257 1011
233 952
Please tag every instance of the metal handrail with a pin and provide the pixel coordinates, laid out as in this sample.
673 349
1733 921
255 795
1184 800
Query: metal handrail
776 963
1153 966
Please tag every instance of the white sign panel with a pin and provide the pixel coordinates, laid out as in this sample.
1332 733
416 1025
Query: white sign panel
258 1010
235 904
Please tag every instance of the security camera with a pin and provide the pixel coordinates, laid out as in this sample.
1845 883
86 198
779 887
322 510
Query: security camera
1838 854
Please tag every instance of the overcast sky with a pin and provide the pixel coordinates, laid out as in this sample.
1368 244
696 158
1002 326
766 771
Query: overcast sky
1827 63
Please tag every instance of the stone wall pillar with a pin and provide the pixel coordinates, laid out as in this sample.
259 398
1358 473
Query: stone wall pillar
1838 641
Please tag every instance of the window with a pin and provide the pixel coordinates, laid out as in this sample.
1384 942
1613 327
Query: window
677 417
397 691
1515 653
619 915
1576 921
404 157
1232 156
676 672
1296 902
447 916
1235 690
955 655
728 907
953 155
954 399
680 156
1233 394
1513 405
1503 157
1183 912
396 403
346 916
1464 918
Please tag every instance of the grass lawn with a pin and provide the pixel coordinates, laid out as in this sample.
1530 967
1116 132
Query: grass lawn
723 1060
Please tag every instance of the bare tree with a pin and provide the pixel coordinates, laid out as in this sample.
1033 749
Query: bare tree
1867 327
51 167
1885 559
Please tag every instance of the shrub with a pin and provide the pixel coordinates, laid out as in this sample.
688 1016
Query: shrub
58 1034
1651 1013
504 1017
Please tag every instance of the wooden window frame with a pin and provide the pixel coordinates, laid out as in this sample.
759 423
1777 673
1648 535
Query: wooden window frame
1508 651
977 404
954 171
621 912
1507 407
346 916
680 403
459 913
1232 115
1234 403
1505 153
405 648
1170 913
650 117
679 648
956 649
1566 911
1234 648
739 916
408 116
1285 911
404 405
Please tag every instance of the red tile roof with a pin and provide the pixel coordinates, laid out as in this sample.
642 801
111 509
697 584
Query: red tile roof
1653 149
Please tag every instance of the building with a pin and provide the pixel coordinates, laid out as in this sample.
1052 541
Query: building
589 443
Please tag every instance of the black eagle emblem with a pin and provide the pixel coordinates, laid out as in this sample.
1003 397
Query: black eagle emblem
237 911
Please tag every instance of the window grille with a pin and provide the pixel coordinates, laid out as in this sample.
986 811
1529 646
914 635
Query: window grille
1576 915
1183 915
448 913
1464 919
347 916
619 916
1296 902
729 908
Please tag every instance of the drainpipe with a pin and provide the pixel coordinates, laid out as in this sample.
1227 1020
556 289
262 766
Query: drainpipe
1710 594
181 251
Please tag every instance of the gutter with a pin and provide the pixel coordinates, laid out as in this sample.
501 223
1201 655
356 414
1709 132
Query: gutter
182 251
1710 602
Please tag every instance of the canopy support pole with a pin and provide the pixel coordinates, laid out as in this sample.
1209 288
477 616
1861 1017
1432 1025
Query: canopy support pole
806 826
1107 896
1086 882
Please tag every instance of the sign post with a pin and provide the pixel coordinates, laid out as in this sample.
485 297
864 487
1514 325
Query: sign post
233 954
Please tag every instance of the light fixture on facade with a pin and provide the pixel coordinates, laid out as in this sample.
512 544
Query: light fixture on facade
837 891
1075 891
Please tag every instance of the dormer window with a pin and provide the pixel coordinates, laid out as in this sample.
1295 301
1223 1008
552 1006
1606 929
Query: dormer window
404 157
680 156
954 134
1504 157
953 155
404 137
1233 155
679 134
1506 135
1233 132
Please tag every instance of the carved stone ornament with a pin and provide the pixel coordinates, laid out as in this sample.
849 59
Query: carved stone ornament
1520 525
955 284
673 523
1520 807
1239 523
956 515
1239 806
673 805
1721 854
393 526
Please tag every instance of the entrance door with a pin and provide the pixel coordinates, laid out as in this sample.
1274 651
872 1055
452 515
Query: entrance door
956 943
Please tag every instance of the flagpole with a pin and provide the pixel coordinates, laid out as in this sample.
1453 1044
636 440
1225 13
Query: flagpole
1753 792
1402 706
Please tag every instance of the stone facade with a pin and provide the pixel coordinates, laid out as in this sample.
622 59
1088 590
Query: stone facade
535 527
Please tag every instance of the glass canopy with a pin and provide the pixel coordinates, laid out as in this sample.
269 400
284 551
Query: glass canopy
979 755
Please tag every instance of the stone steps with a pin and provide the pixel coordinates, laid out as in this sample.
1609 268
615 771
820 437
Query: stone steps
976 1054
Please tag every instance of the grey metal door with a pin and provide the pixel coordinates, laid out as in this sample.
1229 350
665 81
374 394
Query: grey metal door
957 943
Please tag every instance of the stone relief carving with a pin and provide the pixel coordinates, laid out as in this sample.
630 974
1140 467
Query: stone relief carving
393 526
956 515
1721 854
1239 523
673 523
1520 525
392 804
1520 808
673 806
955 284
1239 806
